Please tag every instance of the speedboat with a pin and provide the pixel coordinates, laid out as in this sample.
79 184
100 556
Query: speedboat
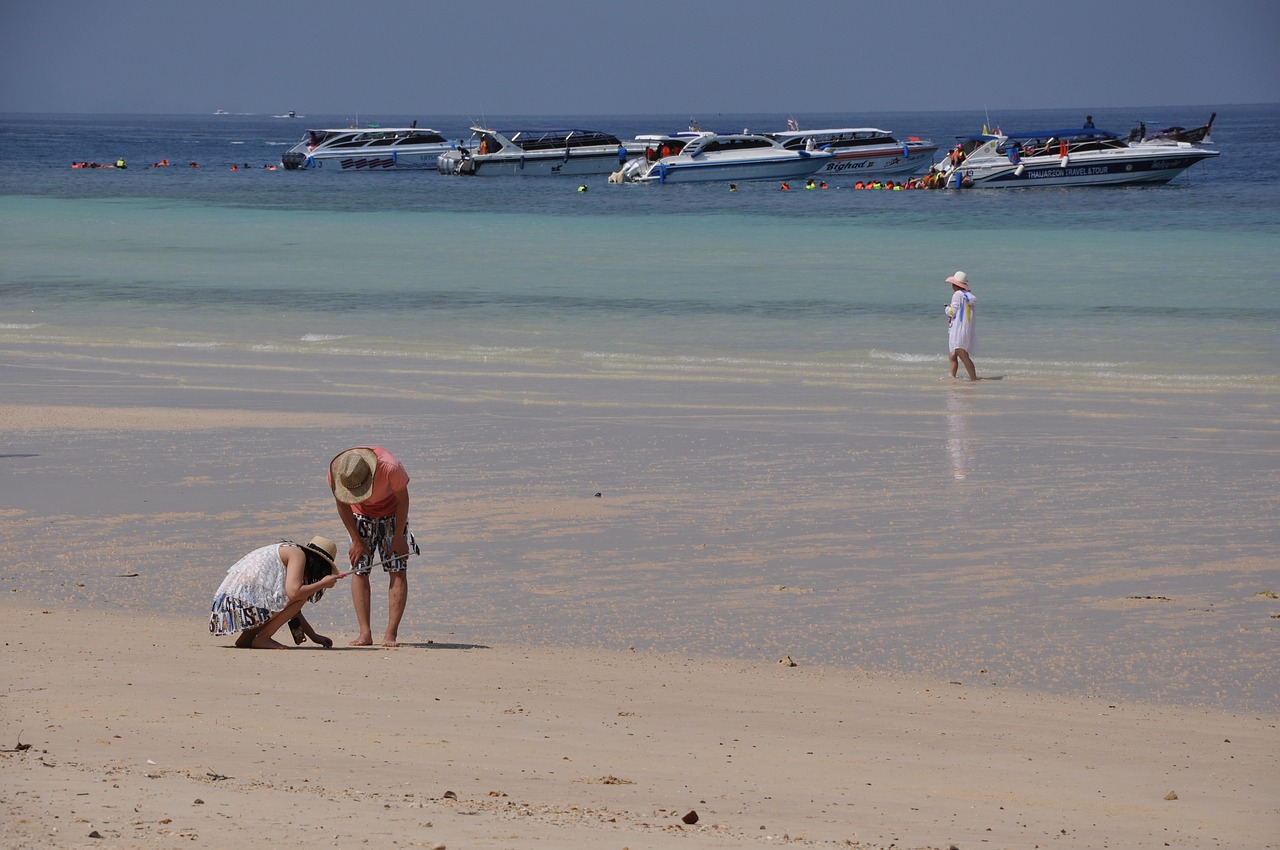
368 149
862 150
699 157
535 153
1075 157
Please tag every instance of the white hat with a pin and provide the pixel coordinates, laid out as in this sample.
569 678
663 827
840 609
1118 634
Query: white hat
959 279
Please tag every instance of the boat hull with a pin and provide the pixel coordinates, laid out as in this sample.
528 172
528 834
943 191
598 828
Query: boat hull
675 170
1155 167
886 160
396 160
548 164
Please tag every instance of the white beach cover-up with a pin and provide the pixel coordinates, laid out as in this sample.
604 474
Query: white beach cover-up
252 592
962 333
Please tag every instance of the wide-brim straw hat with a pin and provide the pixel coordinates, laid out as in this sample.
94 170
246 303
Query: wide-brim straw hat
959 279
352 473
325 548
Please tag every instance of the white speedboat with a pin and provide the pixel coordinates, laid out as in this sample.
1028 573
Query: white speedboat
367 149
535 153
862 150
1075 157
699 157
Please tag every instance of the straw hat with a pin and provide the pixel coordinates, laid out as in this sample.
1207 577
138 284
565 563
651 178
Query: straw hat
959 279
325 548
352 474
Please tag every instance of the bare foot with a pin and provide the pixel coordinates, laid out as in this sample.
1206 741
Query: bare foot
245 640
260 642
390 642
363 640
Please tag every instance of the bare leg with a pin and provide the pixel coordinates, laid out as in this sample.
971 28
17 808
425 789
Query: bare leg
968 364
953 362
397 596
360 598
263 637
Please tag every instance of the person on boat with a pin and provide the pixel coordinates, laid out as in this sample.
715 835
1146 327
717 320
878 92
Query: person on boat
371 490
268 587
1088 123
962 338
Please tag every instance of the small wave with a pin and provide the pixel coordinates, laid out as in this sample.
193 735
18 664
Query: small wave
19 326
322 337
237 143
199 345
903 357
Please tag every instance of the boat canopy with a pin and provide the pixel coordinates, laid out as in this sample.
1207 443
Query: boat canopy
357 138
535 140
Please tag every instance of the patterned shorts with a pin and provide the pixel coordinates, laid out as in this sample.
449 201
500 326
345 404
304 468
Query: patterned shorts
377 534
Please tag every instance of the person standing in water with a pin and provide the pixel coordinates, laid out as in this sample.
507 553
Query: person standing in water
962 337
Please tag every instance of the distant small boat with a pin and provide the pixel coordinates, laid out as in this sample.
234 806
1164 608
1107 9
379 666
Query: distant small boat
289 114
1193 136
221 112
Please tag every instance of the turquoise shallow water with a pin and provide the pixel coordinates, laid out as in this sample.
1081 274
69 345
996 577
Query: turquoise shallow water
752 380
1167 282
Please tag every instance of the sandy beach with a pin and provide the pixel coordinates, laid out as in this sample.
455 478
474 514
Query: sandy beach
614 568
151 734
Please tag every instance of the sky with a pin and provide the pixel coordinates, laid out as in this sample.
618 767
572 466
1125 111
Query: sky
562 57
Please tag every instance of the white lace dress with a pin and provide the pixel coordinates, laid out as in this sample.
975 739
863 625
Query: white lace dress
252 592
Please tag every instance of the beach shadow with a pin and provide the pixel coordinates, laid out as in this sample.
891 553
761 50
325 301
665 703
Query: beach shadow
432 645
18 455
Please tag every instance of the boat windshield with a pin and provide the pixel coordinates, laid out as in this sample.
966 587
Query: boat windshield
728 143
373 138
837 139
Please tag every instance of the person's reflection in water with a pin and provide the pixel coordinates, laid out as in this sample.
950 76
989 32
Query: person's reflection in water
959 444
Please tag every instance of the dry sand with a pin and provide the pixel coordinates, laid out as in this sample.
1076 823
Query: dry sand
126 733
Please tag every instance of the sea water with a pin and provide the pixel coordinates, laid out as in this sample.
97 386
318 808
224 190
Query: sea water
1143 281
754 381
